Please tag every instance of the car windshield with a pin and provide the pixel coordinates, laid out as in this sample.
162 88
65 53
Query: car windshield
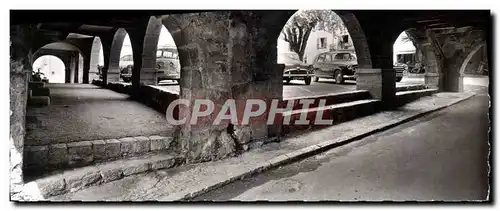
289 58
167 53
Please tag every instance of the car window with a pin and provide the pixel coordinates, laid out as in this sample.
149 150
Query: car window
127 58
159 54
287 58
321 58
343 56
328 57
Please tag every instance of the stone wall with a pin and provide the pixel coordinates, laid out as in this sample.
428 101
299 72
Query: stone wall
18 101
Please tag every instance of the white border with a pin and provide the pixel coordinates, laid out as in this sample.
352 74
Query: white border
214 4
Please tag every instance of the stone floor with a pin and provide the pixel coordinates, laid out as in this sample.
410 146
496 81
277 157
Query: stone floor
177 183
86 112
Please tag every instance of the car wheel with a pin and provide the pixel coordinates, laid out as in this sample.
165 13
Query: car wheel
308 80
178 82
339 77
287 81
398 79
316 79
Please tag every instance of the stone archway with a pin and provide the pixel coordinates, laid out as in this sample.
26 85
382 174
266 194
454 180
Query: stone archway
95 57
54 69
70 54
358 38
148 73
469 57
113 71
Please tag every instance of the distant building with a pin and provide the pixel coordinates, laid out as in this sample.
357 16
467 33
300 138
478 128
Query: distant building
404 51
319 42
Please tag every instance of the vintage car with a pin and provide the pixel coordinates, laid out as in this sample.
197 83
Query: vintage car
400 68
167 64
339 65
126 65
294 68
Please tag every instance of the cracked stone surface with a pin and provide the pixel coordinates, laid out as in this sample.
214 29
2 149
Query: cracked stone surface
175 183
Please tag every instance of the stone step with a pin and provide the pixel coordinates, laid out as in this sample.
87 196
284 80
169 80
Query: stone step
36 84
339 113
40 159
38 100
404 97
71 180
411 87
40 92
333 98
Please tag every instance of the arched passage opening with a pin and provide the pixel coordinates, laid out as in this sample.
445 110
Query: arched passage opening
476 62
96 59
167 59
327 47
51 67
121 59
71 57
408 59
160 57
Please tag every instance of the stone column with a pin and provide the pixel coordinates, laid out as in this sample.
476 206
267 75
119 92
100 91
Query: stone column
380 80
86 70
18 101
94 59
76 68
148 71
433 66
224 57
137 41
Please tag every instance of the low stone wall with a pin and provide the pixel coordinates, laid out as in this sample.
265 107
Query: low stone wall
43 158
153 97
405 97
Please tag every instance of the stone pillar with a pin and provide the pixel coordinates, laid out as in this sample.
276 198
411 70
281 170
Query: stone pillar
71 71
18 101
224 57
86 71
94 59
67 74
148 71
379 82
115 47
433 66
137 41
76 69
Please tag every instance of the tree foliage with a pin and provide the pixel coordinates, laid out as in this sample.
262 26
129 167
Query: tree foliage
298 28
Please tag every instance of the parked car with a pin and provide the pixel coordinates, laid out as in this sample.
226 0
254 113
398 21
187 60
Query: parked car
126 66
167 64
400 69
339 65
294 68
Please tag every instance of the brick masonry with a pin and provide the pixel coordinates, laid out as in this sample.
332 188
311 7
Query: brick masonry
83 153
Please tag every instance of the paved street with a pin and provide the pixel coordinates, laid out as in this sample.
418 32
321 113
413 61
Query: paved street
439 157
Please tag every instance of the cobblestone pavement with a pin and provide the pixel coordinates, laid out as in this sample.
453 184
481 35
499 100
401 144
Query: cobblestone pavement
86 112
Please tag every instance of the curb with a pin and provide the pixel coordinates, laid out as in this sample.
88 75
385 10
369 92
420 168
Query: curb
314 149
